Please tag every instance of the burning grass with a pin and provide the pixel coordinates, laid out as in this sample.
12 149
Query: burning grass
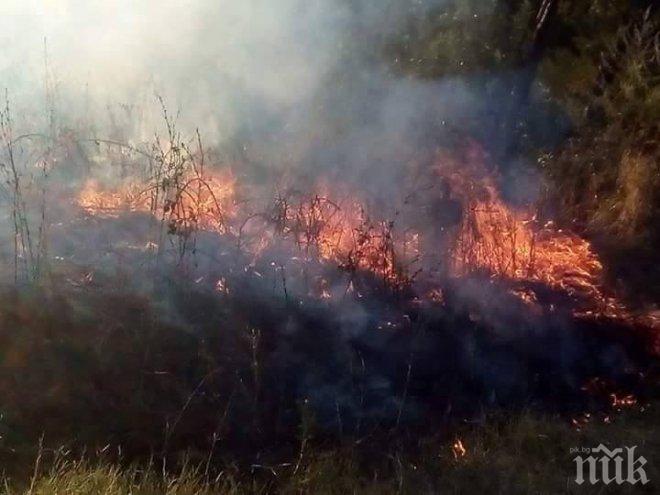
509 243
199 202
333 224
235 323
216 309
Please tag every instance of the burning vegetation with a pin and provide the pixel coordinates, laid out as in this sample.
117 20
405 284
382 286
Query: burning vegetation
363 250
332 224
325 299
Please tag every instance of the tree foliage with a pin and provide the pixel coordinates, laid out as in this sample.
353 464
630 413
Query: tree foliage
593 64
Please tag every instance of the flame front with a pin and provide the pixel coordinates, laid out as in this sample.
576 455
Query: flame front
490 238
203 202
342 232
506 243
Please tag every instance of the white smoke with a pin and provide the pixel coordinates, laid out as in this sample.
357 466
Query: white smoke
223 63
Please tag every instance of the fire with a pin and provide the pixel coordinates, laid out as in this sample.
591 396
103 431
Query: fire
203 202
503 242
333 223
496 239
619 401
458 449
221 286
342 232
581 421
598 387
492 238
110 203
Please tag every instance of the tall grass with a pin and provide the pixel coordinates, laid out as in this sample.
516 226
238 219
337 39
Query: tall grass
524 453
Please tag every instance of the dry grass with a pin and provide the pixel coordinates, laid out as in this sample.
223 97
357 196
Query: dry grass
627 212
518 454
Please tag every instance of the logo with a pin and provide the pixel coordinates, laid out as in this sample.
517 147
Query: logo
607 466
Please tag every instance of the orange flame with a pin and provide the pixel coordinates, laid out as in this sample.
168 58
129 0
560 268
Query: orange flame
102 202
492 237
344 233
458 449
203 201
506 243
